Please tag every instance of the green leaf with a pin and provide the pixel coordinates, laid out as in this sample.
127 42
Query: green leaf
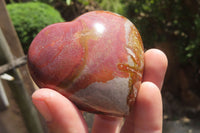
68 2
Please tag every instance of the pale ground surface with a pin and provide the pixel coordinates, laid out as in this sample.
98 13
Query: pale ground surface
10 119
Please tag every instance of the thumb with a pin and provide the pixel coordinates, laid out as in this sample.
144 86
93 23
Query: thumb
60 114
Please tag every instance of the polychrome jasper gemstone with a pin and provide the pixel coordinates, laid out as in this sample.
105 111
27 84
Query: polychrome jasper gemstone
96 61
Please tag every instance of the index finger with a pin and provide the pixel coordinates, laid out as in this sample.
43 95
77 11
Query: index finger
155 67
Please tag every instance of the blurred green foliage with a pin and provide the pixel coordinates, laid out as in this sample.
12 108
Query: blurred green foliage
117 6
30 18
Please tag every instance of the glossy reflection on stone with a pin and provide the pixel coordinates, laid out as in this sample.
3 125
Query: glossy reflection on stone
96 61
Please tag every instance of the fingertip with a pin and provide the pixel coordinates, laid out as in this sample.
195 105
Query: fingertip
155 66
146 113
149 107
158 54
60 113
149 94
42 94
44 101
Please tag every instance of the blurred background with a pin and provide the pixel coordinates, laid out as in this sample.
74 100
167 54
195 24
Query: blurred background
172 26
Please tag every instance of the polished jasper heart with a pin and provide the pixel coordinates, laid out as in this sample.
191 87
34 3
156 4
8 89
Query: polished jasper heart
96 61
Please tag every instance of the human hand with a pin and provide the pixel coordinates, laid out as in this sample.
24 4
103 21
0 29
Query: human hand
62 116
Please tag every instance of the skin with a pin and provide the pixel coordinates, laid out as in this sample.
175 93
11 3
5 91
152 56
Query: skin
62 116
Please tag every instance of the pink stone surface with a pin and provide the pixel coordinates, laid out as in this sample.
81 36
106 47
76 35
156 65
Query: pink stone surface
96 61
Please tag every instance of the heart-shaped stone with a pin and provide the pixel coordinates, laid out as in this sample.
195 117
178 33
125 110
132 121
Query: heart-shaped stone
96 61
